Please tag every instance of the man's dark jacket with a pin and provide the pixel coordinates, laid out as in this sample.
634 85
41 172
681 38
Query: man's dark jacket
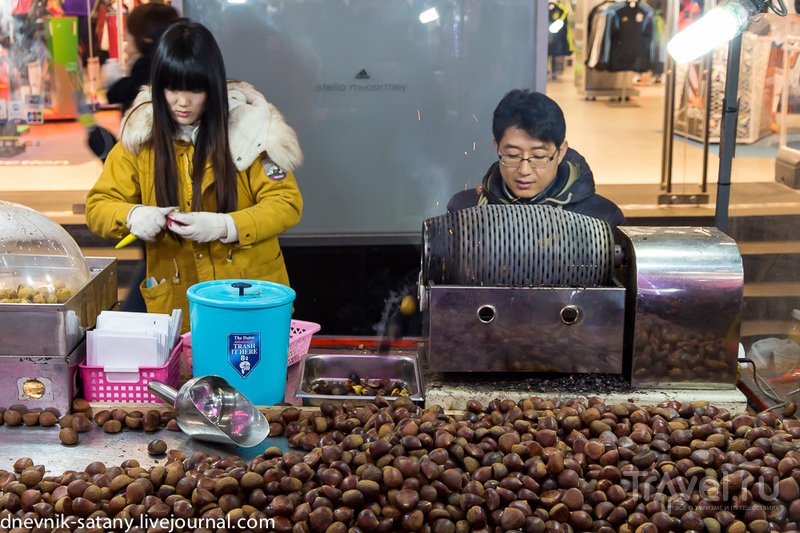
572 189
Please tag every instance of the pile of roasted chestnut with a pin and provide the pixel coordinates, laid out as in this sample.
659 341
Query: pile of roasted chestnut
80 421
357 386
536 465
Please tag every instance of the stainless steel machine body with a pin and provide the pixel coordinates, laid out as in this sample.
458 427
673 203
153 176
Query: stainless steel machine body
662 308
558 329
500 298
684 305
42 344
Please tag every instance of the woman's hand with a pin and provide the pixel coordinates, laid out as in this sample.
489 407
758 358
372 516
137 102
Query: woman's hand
200 226
146 221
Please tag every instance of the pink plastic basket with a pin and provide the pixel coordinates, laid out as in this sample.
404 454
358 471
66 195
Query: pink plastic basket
300 333
99 386
300 339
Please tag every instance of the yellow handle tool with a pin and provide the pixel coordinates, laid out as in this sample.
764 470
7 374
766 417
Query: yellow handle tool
129 238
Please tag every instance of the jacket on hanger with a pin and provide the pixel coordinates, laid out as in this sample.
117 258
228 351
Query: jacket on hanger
622 37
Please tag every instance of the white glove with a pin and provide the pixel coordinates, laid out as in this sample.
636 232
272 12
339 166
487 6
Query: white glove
146 221
203 226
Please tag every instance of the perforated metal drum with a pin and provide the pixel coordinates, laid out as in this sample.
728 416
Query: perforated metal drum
520 288
517 246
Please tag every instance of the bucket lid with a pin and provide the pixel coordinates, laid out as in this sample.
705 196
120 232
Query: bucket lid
240 294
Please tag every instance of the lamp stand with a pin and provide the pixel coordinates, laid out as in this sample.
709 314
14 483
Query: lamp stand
728 128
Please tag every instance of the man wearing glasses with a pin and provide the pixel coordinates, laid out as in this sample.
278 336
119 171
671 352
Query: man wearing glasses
535 165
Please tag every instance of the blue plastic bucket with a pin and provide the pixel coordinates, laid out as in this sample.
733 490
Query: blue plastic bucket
240 332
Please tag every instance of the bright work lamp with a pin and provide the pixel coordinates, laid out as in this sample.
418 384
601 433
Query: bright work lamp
722 24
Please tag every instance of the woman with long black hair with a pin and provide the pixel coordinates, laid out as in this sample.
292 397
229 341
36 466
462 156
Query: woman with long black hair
203 173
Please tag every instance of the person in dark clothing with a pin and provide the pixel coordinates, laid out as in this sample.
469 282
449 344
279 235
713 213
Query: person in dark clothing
145 25
535 165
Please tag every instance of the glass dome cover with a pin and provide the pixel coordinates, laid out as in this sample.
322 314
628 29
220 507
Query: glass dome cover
39 261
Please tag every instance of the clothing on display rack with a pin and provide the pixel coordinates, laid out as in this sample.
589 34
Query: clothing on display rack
659 47
559 37
22 44
559 43
106 14
690 11
622 37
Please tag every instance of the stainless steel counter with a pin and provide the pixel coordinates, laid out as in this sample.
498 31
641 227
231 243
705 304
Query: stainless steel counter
43 446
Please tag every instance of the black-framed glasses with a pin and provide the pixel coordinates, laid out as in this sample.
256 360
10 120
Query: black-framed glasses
515 161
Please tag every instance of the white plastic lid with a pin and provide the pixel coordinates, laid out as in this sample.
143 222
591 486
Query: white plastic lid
796 314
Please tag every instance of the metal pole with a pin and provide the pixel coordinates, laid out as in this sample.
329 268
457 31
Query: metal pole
665 127
709 64
672 9
669 126
789 46
120 32
729 125
89 23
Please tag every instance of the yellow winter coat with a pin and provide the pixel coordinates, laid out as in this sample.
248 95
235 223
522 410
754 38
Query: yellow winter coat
267 206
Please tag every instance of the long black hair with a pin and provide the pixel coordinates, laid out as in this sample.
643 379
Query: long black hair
187 58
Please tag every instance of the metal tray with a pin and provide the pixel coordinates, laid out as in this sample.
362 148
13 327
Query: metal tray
339 367
56 329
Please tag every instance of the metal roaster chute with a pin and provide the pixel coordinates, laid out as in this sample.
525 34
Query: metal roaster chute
533 288
49 294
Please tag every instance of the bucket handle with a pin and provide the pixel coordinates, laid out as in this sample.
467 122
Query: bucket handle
163 391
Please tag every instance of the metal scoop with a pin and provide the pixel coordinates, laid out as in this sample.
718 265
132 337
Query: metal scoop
209 408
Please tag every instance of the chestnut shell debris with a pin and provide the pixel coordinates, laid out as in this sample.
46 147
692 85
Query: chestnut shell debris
545 382
594 383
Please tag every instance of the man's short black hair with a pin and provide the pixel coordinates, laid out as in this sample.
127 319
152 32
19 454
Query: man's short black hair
532 112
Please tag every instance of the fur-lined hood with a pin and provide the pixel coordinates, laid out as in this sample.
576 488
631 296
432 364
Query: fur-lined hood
254 126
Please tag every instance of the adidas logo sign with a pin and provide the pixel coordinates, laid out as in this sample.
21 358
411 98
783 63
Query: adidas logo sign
362 75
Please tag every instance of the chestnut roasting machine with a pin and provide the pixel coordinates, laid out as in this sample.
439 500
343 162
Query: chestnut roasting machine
521 288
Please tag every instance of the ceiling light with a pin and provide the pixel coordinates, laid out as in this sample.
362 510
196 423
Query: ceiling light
428 15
